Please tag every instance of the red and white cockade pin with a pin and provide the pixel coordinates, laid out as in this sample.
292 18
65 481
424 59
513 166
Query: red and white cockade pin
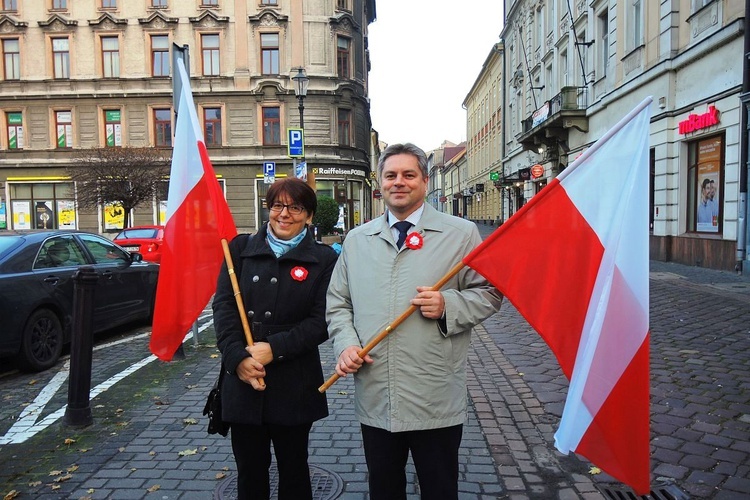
299 273
414 241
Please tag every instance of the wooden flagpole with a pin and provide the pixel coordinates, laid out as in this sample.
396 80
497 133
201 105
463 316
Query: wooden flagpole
238 298
379 338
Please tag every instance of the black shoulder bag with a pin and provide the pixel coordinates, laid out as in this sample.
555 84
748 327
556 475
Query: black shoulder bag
216 424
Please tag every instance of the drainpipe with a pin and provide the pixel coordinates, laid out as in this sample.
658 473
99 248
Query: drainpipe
742 231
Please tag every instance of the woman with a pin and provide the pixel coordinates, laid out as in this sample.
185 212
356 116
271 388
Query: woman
283 275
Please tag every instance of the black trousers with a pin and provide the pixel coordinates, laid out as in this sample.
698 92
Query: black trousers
251 445
435 456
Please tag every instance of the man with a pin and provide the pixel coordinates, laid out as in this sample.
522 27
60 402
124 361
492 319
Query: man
708 207
411 389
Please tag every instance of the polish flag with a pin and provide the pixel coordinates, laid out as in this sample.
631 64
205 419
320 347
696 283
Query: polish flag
574 262
197 219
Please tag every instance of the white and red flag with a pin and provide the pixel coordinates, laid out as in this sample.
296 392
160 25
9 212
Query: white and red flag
574 262
197 219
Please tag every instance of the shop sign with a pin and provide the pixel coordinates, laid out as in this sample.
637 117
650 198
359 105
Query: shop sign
697 122
537 171
339 171
377 194
443 199
494 176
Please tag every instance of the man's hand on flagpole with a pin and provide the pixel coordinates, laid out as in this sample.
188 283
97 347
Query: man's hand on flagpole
249 371
350 362
430 302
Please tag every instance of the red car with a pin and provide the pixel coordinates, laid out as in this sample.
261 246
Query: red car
146 240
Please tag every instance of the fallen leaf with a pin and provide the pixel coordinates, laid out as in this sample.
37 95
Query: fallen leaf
62 479
343 393
10 495
595 470
55 487
133 469
55 473
220 475
190 421
214 356
154 488
185 453
72 468
225 468
187 374
33 382
119 410
189 386
121 449
90 490
84 450
99 406
69 441
152 453
34 484
204 448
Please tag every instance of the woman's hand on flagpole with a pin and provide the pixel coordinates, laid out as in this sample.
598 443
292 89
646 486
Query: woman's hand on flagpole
350 362
249 371
261 351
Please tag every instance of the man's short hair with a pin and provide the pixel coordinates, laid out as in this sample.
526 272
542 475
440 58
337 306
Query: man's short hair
406 148
705 183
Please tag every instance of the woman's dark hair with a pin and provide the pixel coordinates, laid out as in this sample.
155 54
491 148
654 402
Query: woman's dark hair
297 190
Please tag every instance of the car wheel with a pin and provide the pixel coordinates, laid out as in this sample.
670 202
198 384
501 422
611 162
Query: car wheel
42 341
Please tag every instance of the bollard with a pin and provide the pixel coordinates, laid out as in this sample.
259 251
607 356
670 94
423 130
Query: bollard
78 412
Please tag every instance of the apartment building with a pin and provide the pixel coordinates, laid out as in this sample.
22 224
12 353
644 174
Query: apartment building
79 74
574 68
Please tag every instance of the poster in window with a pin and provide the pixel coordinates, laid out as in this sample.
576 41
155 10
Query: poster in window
21 214
3 220
64 130
45 217
114 128
114 216
162 212
708 194
66 214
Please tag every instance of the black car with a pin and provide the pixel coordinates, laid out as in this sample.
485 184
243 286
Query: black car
36 290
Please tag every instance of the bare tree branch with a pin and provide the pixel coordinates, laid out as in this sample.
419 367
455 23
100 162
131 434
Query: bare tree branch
128 176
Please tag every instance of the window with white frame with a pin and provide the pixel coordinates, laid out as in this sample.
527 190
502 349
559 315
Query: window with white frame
110 56
602 44
635 24
210 53
64 129
11 59
61 57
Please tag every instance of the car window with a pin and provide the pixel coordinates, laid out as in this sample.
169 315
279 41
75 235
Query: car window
8 243
137 234
104 251
59 252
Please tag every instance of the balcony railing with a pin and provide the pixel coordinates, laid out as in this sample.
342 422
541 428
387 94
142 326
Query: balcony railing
569 99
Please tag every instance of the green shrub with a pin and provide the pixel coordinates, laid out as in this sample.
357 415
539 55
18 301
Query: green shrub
327 215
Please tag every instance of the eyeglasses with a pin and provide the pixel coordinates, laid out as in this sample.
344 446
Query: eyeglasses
293 209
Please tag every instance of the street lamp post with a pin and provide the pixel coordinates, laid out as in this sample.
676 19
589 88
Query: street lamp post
301 81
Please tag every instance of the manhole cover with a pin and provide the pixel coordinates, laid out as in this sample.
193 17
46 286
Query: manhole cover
668 492
326 485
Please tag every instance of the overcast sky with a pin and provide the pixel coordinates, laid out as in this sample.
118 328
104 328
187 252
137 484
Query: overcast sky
425 57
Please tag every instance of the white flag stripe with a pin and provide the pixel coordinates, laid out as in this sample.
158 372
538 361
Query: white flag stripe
185 155
614 172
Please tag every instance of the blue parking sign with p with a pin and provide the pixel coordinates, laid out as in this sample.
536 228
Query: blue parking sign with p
269 172
296 143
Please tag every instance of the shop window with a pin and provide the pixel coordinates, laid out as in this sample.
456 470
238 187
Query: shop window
15 137
64 129
112 128
42 206
705 180
271 126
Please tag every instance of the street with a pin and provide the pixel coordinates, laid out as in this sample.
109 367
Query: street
148 436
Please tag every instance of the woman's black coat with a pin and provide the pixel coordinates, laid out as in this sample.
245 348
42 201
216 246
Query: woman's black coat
287 313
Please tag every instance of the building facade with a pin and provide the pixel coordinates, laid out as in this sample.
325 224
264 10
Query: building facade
484 156
78 75
573 69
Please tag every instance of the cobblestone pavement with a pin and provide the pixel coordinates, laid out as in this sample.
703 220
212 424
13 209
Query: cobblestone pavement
148 439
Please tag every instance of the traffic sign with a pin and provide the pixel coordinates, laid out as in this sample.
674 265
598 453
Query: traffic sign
269 172
295 143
